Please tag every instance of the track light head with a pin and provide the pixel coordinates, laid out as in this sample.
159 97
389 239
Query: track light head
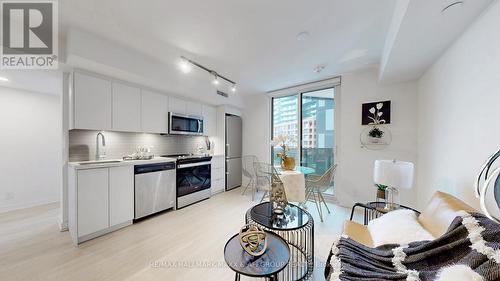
185 65
216 79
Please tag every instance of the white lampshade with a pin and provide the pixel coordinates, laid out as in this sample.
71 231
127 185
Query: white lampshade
393 173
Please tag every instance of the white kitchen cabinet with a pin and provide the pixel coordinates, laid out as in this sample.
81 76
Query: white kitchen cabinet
177 105
218 180
193 108
92 102
209 114
121 195
126 108
92 200
154 112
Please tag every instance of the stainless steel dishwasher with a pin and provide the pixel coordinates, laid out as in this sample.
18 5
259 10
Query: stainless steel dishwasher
155 188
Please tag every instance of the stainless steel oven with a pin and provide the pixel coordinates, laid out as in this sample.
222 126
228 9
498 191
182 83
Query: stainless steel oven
193 180
181 124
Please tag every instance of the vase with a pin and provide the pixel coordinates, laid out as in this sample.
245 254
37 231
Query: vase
288 163
381 196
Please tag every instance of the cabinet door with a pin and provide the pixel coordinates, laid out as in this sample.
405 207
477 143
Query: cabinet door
92 201
121 194
209 114
193 108
154 112
92 102
176 105
126 108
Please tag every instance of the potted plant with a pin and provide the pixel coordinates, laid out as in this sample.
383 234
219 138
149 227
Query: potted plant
284 141
381 192
375 135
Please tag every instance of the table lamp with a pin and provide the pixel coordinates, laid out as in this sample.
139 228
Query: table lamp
393 174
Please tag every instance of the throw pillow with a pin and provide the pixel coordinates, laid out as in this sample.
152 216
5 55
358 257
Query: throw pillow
397 227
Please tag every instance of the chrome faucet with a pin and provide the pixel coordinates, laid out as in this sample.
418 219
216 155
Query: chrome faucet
100 151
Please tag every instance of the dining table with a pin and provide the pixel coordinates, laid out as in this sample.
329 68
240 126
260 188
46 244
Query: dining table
294 182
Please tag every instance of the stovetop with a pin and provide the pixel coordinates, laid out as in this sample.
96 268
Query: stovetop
187 156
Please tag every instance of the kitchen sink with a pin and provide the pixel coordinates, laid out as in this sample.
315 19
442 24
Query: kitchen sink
99 162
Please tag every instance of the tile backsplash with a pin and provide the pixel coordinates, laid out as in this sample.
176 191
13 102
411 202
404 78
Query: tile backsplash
82 144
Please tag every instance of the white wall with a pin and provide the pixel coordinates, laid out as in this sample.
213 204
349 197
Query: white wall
30 149
257 127
354 180
459 100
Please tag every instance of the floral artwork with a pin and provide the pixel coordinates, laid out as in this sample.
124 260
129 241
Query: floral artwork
376 113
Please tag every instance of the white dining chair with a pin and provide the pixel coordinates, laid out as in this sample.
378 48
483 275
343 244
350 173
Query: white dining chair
316 185
249 172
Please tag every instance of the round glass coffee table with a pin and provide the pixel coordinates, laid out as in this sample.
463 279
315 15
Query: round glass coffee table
273 261
296 226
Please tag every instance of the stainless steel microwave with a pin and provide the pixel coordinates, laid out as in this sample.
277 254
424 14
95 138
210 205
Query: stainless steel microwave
181 124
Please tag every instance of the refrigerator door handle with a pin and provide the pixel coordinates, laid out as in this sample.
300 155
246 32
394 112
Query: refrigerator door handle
227 149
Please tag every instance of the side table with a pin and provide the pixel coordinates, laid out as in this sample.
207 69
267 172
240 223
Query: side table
296 226
272 262
373 210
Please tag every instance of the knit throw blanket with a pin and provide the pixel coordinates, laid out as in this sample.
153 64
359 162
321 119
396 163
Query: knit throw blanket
472 241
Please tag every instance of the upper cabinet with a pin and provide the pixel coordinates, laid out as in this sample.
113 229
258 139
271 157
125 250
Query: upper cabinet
181 106
154 112
177 105
126 108
101 103
193 108
209 114
92 102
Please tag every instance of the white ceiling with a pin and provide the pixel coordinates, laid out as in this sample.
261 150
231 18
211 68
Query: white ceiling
420 32
252 42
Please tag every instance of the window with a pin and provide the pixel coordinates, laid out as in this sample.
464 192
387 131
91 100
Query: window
315 112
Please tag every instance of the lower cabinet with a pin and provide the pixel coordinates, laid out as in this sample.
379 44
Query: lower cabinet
218 175
93 201
121 195
100 201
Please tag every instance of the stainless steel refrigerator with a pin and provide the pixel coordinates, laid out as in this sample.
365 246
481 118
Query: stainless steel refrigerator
233 151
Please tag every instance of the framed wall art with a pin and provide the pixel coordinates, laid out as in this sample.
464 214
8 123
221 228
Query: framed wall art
376 113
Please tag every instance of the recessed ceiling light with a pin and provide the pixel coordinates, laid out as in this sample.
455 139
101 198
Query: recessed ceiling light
301 36
453 4
319 68
4 79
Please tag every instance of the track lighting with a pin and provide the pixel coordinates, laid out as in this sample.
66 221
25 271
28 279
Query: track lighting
185 65
216 79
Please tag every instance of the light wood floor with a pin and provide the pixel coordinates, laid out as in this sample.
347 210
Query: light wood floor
183 245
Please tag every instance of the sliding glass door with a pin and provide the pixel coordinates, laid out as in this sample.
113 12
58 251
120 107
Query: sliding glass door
318 139
307 118
285 122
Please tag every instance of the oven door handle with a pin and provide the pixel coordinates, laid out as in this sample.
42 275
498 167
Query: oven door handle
181 166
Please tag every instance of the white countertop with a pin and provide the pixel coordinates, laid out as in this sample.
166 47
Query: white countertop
117 162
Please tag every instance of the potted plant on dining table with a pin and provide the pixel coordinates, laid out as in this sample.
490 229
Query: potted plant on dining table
284 141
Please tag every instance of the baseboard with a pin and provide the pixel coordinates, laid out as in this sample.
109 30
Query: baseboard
63 225
18 207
